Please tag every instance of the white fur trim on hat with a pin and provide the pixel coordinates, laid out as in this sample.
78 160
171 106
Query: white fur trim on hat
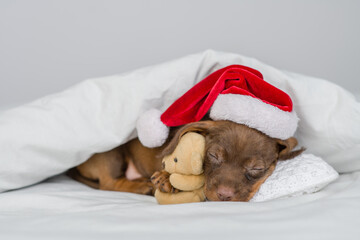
152 132
256 114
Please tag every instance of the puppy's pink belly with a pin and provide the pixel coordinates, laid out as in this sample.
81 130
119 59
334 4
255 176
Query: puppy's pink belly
131 172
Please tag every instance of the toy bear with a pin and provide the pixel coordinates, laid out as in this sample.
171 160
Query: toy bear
185 166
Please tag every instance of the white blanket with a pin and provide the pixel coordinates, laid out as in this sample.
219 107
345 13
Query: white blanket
57 132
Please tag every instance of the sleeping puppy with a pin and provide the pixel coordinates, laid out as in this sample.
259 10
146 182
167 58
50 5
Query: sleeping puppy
238 160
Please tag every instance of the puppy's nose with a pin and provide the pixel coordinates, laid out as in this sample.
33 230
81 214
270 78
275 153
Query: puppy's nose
225 193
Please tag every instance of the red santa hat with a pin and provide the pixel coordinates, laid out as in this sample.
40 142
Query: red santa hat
235 93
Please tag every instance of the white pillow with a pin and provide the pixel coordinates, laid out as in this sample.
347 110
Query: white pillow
57 132
303 174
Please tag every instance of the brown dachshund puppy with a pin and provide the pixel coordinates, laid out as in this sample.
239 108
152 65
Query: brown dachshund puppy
238 160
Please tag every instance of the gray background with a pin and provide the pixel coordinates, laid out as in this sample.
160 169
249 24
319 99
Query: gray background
46 46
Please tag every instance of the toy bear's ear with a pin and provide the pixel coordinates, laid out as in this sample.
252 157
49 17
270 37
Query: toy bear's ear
200 127
197 163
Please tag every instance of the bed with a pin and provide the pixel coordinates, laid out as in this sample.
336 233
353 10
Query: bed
39 202
60 208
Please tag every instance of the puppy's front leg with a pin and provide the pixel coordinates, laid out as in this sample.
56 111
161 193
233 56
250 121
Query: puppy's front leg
122 184
161 181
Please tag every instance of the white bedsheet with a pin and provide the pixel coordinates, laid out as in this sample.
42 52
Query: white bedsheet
61 208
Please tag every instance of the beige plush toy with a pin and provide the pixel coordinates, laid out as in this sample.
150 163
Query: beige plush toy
185 166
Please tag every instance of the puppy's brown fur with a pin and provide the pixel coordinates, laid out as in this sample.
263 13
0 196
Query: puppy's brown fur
238 160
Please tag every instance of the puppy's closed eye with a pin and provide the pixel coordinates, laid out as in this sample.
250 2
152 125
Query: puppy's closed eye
254 173
254 169
214 158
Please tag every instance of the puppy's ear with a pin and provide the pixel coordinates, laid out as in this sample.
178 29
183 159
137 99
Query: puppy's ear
201 127
286 148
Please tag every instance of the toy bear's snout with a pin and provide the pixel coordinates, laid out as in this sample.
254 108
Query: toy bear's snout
163 163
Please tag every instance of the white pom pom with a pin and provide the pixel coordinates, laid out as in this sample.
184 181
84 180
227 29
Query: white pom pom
152 132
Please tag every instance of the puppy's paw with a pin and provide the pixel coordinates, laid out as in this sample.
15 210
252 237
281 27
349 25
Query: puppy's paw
161 181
